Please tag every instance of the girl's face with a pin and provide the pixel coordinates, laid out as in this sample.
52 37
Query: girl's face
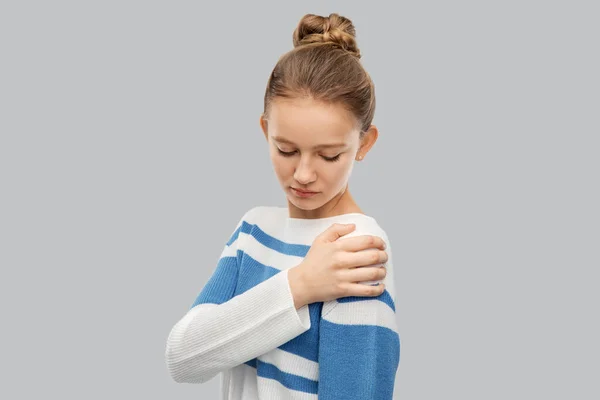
312 146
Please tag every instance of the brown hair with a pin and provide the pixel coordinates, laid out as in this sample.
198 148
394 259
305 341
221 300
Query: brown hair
324 65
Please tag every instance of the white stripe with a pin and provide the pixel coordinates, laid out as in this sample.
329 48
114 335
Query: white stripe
364 312
267 256
292 363
272 389
230 251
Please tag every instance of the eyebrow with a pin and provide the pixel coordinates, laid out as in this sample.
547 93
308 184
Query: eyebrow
284 140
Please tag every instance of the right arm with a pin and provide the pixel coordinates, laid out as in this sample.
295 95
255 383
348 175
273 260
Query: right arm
221 330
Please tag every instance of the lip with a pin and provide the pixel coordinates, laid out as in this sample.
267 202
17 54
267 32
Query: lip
302 193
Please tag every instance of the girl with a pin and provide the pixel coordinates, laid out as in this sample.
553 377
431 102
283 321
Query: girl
291 311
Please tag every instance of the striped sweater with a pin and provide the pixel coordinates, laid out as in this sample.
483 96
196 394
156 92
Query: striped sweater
244 326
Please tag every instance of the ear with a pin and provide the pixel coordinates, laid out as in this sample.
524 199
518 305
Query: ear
263 125
368 140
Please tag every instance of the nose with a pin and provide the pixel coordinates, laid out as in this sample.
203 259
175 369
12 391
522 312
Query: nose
304 173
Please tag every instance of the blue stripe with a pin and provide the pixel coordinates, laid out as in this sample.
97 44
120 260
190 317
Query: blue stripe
234 236
305 345
221 285
252 272
251 363
384 297
290 381
357 361
273 243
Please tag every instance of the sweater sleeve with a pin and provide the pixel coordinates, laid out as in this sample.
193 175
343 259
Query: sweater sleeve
359 345
222 330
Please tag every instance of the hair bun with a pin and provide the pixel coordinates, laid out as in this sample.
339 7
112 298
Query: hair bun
334 29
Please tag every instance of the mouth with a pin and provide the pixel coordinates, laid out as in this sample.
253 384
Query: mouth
303 193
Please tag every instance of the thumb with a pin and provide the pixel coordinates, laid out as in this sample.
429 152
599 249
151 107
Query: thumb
336 231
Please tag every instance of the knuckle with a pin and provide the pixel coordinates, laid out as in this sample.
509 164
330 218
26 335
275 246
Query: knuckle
340 289
374 274
374 258
370 241
364 242
338 262
366 291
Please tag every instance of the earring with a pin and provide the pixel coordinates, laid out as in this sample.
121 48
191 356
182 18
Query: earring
360 157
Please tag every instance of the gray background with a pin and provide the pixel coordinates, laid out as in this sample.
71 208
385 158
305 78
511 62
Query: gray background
130 147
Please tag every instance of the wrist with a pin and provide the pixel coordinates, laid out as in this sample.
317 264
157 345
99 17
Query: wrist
297 286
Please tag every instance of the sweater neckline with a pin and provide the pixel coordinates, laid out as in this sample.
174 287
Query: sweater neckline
318 221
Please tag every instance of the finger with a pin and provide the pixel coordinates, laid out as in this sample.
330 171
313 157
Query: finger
335 231
364 290
363 274
363 258
362 242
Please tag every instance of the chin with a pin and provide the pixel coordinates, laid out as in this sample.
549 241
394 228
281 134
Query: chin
305 204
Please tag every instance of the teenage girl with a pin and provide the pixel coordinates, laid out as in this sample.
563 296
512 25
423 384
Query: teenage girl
301 304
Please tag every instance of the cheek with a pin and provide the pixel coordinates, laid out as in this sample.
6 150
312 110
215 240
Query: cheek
281 166
338 173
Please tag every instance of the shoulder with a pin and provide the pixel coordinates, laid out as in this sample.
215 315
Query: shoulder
265 215
366 225
261 212
245 222
261 222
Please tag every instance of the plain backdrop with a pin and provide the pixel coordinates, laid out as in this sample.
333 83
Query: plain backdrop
130 147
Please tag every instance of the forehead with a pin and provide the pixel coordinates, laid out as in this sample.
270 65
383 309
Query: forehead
310 122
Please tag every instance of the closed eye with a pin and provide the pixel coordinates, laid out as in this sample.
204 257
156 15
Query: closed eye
286 154
291 153
332 159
